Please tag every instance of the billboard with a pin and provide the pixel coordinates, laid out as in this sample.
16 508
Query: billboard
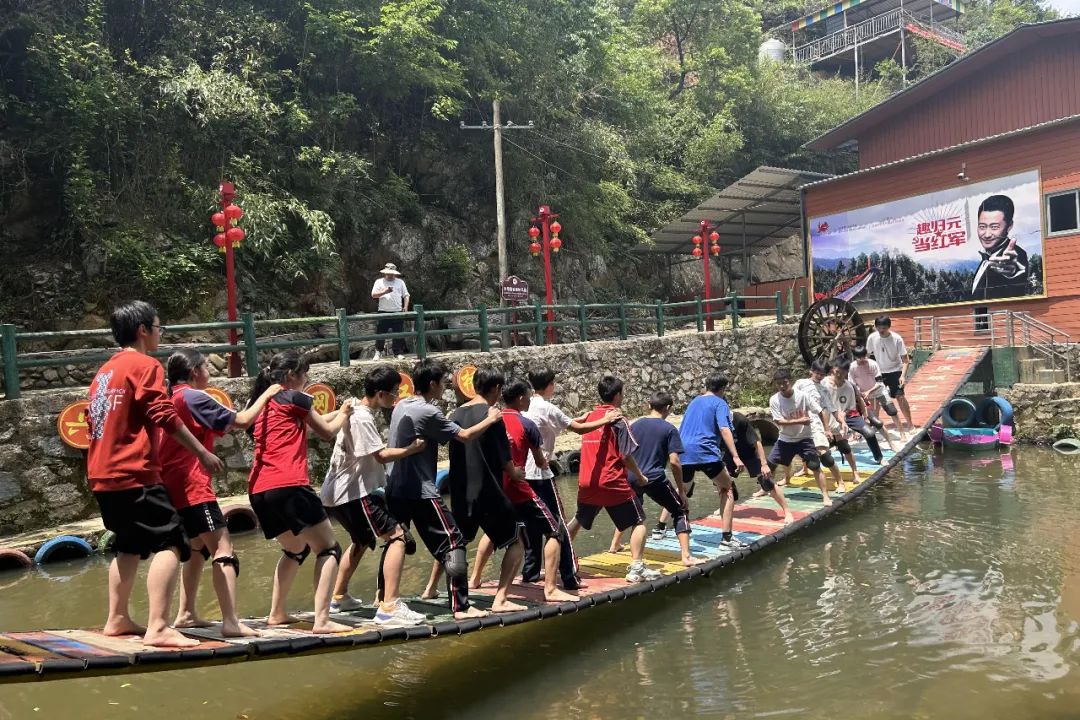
935 249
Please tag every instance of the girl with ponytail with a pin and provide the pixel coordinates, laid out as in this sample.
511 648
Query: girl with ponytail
191 490
288 509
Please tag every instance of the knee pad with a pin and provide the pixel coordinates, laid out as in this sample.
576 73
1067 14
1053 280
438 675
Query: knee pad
842 445
409 540
766 483
204 552
875 423
333 551
229 560
827 460
299 557
890 409
455 563
812 463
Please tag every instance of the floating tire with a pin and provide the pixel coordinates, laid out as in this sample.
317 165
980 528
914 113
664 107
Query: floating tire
766 430
1067 446
440 479
65 547
240 519
960 412
555 466
12 559
571 460
994 411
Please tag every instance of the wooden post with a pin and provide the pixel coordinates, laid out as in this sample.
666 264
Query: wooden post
500 208
733 309
343 338
623 329
538 322
485 339
779 308
699 314
583 326
659 318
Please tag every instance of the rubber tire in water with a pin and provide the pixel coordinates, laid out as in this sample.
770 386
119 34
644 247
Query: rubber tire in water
991 406
65 546
960 412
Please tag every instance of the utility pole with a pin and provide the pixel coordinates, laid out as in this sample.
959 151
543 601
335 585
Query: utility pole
500 201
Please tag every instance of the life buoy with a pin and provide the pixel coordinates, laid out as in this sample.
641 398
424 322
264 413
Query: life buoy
12 559
240 519
65 547
994 411
960 412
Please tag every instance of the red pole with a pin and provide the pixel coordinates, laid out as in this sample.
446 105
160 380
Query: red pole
545 220
235 362
705 228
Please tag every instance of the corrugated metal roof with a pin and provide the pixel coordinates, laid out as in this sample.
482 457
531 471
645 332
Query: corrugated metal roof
964 66
753 212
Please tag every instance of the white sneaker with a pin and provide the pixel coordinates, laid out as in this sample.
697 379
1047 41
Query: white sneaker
659 533
346 603
376 357
637 572
400 614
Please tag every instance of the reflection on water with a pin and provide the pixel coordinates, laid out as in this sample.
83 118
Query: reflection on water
952 590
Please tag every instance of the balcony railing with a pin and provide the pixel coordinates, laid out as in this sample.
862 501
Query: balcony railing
845 40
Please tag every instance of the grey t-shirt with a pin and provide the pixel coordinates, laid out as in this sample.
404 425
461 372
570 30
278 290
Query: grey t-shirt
413 477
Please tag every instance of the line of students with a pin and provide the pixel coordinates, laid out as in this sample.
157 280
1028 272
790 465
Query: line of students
151 461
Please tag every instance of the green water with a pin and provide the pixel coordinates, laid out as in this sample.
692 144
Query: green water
951 590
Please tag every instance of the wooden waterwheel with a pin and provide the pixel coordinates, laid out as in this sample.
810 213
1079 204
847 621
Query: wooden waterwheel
831 328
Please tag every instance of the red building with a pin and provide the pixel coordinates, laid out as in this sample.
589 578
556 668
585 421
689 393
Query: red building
923 211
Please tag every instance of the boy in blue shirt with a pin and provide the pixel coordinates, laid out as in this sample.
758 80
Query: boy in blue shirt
659 445
707 439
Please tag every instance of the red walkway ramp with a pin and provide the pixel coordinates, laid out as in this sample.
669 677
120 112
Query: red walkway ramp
935 383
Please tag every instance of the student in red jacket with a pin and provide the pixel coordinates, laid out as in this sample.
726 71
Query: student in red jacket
192 492
604 479
280 491
128 406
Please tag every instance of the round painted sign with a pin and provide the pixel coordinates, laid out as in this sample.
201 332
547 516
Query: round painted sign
72 425
406 388
220 395
463 379
325 399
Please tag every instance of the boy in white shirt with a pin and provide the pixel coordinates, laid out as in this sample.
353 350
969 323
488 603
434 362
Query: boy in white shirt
792 412
352 496
887 349
821 423
866 377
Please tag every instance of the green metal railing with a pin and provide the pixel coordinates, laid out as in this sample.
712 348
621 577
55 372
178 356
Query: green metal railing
572 323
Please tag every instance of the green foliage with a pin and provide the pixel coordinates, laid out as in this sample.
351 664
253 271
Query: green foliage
1062 431
755 394
338 122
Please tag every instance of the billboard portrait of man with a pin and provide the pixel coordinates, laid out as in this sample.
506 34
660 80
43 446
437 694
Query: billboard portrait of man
1004 271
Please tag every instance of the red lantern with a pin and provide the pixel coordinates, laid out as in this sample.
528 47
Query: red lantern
233 212
218 219
219 240
234 234
534 248
556 243
715 249
715 237
534 232
697 252
555 227
697 239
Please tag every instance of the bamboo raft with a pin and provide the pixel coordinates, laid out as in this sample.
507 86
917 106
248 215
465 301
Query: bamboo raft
72 653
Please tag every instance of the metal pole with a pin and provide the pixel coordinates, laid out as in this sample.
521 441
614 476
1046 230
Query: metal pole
545 222
11 367
500 209
343 338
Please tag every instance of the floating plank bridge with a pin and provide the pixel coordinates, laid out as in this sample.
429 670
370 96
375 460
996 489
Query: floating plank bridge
62 654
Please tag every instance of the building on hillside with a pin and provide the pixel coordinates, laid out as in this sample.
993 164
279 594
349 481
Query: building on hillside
967 197
855 35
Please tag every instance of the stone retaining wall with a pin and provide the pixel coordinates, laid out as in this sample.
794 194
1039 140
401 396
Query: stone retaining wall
1044 413
43 481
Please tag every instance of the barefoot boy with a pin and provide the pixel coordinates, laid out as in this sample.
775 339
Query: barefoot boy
887 349
748 446
128 406
352 499
865 375
792 412
476 495
821 423
607 463
659 445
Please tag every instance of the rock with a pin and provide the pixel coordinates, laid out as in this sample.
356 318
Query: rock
9 488
217 361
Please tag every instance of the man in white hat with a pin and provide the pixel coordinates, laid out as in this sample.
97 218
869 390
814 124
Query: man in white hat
393 296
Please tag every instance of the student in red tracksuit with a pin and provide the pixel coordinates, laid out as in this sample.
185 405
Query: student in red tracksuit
192 492
128 406
280 491
603 482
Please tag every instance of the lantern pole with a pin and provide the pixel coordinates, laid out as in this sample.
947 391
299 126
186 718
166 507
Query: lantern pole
705 228
545 226
228 192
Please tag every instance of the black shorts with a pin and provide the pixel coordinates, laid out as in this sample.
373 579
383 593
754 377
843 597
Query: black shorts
538 520
664 494
202 518
493 513
431 520
753 465
625 515
892 381
366 519
289 509
144 521
783 452
711 470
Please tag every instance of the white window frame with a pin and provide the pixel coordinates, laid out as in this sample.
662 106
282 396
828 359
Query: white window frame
1076 199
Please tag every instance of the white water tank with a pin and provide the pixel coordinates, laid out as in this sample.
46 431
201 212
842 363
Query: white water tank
773 49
